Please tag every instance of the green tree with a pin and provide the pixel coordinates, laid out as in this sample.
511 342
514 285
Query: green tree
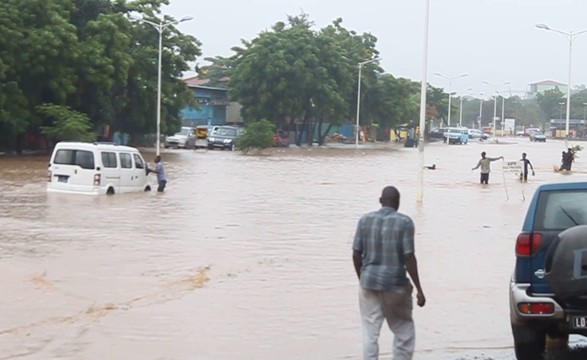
550 103
87 55
68 125
294 72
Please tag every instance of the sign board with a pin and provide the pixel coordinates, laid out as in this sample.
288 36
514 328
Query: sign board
513 166
509 124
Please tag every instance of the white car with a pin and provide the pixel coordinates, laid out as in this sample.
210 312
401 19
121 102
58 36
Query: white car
185 139
477 134
96 168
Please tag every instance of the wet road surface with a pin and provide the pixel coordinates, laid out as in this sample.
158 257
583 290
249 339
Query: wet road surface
249 257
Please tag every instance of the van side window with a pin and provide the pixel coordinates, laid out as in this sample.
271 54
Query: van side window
109 159
125 161
138 162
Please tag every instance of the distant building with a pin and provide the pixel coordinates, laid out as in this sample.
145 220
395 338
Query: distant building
542 86
214 108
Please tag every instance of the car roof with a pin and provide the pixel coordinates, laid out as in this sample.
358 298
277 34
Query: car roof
73 145
563 186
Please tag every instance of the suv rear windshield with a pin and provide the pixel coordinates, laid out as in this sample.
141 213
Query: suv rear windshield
81 158
558 210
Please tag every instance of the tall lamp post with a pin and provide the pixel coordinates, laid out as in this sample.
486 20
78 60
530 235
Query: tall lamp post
359 98
450 80
423 89
495 103
480 109
570 36
160 27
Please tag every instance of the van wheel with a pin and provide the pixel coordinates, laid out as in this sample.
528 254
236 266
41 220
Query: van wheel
147 188
110 191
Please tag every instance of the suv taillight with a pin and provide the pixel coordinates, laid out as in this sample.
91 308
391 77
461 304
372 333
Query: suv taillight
536 308
49 175
528 244
96 179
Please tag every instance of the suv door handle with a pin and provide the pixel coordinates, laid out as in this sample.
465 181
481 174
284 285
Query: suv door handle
540 273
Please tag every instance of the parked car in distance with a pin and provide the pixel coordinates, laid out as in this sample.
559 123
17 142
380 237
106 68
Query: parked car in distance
202 133
529 131
185 138
456 135
224 137
281 138
437 133
548 287
96 168
538 136
477 134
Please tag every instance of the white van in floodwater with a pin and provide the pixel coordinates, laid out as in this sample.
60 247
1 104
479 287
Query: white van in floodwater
96 168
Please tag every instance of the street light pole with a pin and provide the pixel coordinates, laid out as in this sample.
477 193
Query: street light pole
160 27
480 110
495 104
570 36
450 79
359 99
423 89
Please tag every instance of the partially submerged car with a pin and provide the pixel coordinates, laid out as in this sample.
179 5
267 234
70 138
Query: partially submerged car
548 288
96 168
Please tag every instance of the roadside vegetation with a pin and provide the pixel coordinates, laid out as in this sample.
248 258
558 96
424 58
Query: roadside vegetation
96 58
258 135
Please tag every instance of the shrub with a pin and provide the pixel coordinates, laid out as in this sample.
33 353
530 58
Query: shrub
258 135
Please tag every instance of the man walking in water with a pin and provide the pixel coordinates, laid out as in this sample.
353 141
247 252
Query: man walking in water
524 174
383 250
485 167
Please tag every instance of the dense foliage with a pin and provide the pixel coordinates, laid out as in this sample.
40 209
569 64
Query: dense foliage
258 135
90 56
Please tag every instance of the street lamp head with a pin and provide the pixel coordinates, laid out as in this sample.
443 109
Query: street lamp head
542 26
186 18
463 75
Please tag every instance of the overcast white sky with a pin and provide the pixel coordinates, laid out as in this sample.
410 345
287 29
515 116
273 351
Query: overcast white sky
490 40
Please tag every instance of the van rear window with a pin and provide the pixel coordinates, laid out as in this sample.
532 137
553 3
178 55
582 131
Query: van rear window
109 159
81 158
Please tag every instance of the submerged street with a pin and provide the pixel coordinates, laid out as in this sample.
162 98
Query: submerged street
249 257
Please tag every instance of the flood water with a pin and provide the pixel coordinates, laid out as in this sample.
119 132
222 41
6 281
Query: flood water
249 257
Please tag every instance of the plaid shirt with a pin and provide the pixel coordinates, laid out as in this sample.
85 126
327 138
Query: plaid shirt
384 237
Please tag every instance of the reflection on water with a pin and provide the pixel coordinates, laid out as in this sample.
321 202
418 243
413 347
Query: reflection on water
248 257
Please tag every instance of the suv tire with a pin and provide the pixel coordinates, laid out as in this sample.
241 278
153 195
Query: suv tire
529 343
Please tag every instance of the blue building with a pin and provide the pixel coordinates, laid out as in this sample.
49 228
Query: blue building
214 108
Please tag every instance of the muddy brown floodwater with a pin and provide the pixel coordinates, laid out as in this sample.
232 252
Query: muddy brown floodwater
249 257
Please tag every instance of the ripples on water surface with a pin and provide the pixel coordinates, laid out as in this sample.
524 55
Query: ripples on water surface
249 257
